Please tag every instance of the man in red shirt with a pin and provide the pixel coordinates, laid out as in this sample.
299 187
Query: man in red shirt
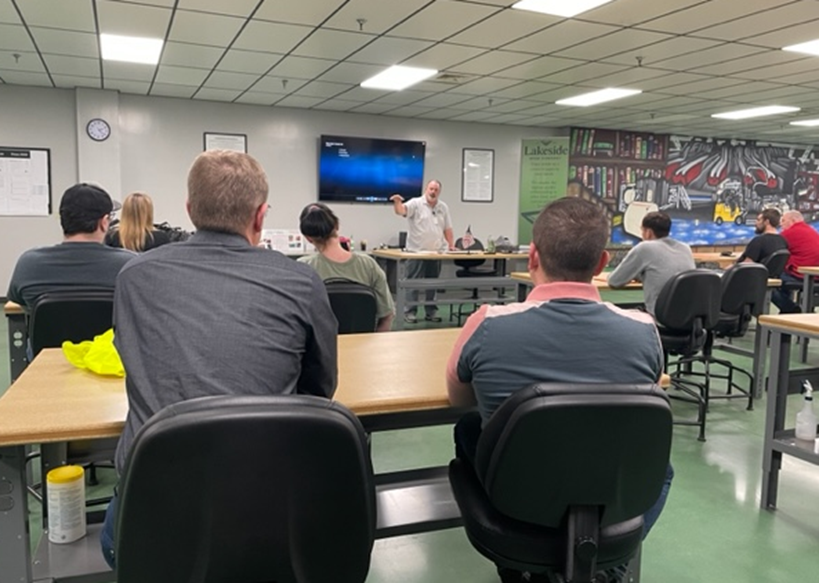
803 243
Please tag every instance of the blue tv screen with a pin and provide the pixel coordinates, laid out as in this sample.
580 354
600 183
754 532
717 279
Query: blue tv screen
369 170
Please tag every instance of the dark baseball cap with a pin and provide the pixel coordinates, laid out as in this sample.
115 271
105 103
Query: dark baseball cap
85 202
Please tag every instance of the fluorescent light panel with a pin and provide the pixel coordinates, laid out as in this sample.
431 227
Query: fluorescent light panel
810 48
398 77
755 112
565 8
596 97
808 123
130 49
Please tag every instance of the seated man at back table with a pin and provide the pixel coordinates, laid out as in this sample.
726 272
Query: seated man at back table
563 332
803 243
768 241
216 314
81 260
654 260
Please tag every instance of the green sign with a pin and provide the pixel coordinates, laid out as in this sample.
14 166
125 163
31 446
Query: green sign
544 169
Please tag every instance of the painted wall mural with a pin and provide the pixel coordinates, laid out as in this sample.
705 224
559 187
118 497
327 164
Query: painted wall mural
712 188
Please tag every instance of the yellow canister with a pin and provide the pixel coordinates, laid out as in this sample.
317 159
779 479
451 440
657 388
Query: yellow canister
66 504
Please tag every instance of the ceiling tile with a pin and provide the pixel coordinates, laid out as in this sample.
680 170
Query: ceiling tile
169 74
662 50
351 73
389 51
133 19
258 98
480 104
741 89
612 44
25 78
503 28
364 95
379 16
632 77
524 89
163 3
473 116
60 65
509 118
442 19
301 102
809 78
484 86
187 55
631 12
8 15
406 97
127 71
132 87
332 44
273 84
583 72
539 68
212 94
226 80
241 8
373 108
492 62
442 113
311 13
443 56
14 37
206 29
749 27
167 90
560 36
669 80
248 61
706 14
301 67
71 15
692 61
410 111
337 105
444 100
28 62
65 42
71 81
760 63
787 36
707 84
270 37
322 89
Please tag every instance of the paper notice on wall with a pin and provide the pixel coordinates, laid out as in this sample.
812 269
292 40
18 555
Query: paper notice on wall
24 182
288 241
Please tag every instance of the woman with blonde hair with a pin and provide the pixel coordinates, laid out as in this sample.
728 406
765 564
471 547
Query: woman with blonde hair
136 229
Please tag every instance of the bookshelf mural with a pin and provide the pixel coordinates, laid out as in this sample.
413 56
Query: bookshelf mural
712 188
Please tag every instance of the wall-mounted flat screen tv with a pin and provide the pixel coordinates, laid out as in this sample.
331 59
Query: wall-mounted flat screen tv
369 170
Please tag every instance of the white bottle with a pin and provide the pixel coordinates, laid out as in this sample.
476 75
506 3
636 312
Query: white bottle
66 504
806 418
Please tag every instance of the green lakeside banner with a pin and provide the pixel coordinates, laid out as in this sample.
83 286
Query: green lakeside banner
544 173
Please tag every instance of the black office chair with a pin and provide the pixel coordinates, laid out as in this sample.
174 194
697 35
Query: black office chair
563 475
353 304
686 309
247 489
75 315
471 268
742 298
775 262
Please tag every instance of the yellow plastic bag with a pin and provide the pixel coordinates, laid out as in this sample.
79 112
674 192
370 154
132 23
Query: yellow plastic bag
98 355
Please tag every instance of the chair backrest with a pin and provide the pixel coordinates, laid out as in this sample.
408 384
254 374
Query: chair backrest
743 293
552 446
247 489
74 315
469 263
689 300
354 305
776 262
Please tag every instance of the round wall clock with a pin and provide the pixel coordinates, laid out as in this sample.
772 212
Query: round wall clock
98 129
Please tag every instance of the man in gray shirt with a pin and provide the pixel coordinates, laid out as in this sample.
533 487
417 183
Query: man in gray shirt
81 260
655 260
218 315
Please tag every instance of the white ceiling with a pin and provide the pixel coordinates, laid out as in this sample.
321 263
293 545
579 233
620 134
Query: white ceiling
691 58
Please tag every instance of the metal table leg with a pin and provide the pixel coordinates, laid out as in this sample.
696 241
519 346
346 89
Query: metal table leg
807 308
17 344
15 552
400 293
775 417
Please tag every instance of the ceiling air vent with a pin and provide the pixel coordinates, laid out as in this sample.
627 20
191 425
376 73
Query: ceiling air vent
452 78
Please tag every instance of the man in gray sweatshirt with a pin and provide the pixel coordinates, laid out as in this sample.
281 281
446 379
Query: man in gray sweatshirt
655 260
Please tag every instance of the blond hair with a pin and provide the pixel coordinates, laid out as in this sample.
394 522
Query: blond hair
136 222
225 189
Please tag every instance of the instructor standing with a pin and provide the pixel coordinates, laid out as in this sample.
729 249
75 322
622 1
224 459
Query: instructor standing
430 229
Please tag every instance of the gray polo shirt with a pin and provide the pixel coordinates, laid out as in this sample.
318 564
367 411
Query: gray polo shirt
216 316
427 225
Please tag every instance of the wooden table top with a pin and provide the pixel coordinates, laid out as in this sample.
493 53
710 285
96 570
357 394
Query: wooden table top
795 323
11 308
808 270
601 281
718 258
396 254
393 371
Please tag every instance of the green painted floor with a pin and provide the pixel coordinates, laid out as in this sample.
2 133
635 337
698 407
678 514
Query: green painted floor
712 529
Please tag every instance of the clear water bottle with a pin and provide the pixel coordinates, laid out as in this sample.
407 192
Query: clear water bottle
490 245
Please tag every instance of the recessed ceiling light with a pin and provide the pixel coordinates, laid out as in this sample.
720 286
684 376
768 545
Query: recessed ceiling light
397 78
596 97
808 123
130 49
756 112
567 8
810 47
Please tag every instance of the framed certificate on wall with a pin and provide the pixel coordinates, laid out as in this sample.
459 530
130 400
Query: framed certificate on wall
234 142
478 175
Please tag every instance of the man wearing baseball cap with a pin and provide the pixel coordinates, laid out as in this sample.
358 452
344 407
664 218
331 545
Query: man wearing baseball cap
81 260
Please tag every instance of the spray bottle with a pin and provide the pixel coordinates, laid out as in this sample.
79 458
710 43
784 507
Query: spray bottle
806 418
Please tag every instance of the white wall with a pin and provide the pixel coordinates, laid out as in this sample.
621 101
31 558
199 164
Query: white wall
157 139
